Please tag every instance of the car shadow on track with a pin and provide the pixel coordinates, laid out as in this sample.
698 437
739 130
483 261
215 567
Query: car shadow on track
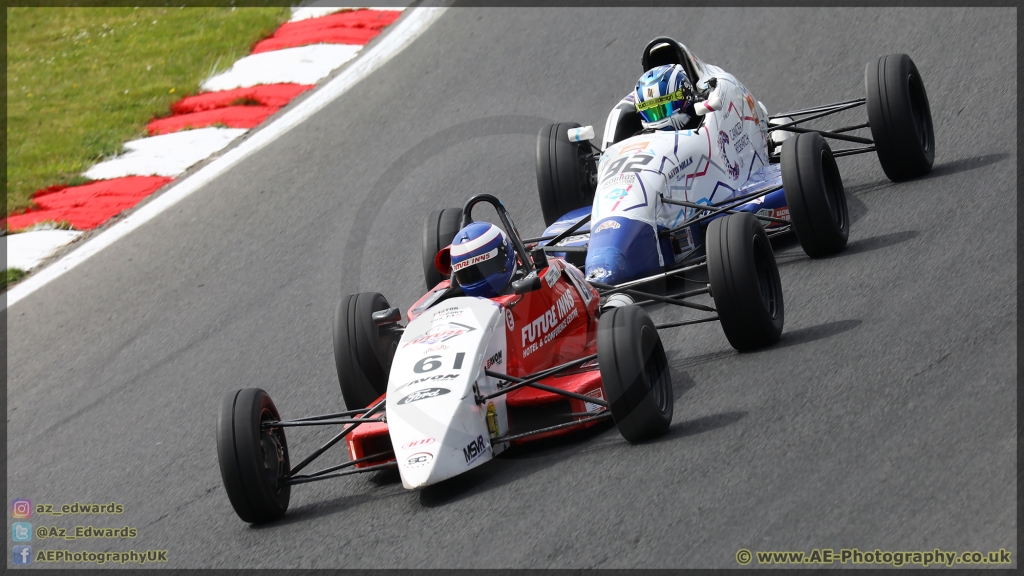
855 247
699 426
812 333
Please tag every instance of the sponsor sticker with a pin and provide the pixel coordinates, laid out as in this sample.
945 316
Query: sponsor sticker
549 324
440 333
509 320
431 379
475 449
574 238
423 395
581 285
595 393
607 225
474 260
551 276
419 459
446 313
412 444
634 147
493 360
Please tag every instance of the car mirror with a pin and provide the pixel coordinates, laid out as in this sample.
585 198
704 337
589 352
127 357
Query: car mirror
443 261
581 134
387 316
528 284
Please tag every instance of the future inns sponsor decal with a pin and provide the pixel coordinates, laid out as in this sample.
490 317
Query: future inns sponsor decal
423 395
474 260
549 324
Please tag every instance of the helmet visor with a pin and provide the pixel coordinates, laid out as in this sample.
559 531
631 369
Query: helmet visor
484 269
662 107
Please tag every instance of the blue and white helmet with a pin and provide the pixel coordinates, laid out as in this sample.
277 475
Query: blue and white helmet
662 94
483 260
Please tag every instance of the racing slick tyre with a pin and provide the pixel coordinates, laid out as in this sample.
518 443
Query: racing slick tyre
565 179
635 373
899 116
815 195
439 230
253 461
744 281
363 351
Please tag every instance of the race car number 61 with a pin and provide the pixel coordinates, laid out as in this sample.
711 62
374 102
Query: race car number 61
431 363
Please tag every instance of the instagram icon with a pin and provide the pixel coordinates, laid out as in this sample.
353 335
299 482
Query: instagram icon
21 509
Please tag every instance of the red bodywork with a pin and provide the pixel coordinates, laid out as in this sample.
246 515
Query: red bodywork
544 328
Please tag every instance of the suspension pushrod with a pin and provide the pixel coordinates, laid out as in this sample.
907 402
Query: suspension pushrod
538 376
663 299
569 231
677 296
852 151
813 116
851 128
834 135
659 276
685 322
308 479
728 211
599 416
348 464
816 109
547 388
373 409
327 416
715 209
296 423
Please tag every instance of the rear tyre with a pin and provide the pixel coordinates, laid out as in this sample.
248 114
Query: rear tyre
635 373
744 281
439 230
253 462
899 116
565 179
363 351
815 195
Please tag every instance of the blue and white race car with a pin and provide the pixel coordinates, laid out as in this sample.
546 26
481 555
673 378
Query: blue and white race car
640 205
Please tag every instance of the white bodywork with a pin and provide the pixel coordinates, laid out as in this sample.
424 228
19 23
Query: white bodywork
702 166
437 429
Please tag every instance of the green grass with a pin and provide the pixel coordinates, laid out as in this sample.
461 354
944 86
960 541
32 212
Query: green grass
83 81
13 275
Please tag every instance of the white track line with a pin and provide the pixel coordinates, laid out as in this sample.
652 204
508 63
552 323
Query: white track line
400 35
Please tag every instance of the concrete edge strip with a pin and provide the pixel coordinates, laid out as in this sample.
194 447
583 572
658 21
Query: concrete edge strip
403 33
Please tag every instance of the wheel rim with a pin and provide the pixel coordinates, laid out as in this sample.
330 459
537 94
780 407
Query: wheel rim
833 190
274 459
654 367
765 278
919 111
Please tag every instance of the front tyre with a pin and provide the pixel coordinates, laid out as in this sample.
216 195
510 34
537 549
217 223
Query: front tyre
363 351
899 116
744 281
635 373
815 195
253 462
566 180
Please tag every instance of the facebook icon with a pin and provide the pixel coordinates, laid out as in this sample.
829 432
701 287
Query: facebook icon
22 555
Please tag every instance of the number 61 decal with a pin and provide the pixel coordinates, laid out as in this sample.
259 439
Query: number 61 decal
431 363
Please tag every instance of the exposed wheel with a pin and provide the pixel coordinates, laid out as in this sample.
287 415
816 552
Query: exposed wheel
363 351
565 180
815 195
634 372
744 281
899 116
253 461
439 230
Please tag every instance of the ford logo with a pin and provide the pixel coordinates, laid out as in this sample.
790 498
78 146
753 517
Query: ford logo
424 394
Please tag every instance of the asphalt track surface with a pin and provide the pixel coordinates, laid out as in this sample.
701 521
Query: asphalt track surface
884 418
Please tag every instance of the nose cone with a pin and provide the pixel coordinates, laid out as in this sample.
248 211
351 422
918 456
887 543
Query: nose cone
621 250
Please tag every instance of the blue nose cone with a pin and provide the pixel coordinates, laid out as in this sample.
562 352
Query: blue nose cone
621 250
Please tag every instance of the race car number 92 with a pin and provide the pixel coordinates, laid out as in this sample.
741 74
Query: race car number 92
627 164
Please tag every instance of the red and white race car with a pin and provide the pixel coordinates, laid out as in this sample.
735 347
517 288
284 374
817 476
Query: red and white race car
468 377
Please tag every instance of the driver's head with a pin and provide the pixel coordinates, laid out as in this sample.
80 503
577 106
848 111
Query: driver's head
662 95
483 260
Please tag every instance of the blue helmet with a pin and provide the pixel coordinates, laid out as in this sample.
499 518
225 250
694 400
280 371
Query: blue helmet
662 94
483 260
